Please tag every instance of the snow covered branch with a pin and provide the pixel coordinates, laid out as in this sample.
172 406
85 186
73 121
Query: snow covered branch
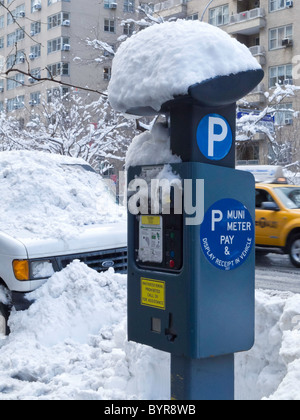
279 136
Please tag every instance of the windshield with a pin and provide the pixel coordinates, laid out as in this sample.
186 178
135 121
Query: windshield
290 197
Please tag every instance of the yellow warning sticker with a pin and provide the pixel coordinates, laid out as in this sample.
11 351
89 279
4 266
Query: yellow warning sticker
151 220
153 293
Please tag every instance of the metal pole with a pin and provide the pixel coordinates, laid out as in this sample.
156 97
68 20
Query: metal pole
209 379
206 10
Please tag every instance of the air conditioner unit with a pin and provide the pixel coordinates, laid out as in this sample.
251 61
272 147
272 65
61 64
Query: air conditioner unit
31 56
32 33
37 6
289 4
22 14
66 47
113 5
287 42
1 89
31 103
31 80
288 121
66 23
21 60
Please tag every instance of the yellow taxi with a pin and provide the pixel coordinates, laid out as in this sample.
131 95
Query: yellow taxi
277 216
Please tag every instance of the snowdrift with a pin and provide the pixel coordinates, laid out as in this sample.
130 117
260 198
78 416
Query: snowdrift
71 344
48 195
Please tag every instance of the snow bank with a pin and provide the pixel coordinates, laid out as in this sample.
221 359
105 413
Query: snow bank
163 61
48 195
271 370
151 148
72 344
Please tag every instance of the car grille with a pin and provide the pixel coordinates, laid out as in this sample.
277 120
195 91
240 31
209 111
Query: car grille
99 261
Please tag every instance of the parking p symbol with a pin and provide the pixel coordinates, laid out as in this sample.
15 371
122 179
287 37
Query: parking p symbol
214 137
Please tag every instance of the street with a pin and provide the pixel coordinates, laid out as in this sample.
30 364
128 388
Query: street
276 272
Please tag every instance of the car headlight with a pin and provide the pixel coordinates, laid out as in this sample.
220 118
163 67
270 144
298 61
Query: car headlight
41 269
25 270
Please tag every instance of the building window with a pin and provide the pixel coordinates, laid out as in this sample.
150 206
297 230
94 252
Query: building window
36 74
50 2
110 4
14 82
281 75
195 16
277 35
58 92
35 98
107 73
20 34
219 15
59 69
59 19
129 6
18 12
14 59
109 25
128 28
284 114
58 44
15 103
35 51
35 28
277 5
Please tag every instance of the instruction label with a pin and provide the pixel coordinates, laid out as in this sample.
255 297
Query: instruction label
153 293
227 234
150 244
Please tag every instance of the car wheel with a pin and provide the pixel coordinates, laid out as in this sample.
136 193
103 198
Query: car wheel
295 251
3 320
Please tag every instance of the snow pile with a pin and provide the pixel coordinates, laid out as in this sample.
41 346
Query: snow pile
271 370
51 196
177 55
4 295
71 344
151 148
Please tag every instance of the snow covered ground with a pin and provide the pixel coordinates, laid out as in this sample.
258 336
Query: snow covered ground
71 344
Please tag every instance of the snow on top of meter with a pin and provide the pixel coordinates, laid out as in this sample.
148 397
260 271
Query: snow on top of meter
48 195
164 60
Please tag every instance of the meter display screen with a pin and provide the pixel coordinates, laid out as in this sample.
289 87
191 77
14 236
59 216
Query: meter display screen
151 239
159 241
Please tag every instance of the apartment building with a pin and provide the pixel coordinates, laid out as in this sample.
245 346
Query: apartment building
48 38
270 29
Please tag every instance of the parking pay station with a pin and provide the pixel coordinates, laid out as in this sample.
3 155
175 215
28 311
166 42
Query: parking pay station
191 279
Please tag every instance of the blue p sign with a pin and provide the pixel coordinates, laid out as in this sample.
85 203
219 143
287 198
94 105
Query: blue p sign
214 137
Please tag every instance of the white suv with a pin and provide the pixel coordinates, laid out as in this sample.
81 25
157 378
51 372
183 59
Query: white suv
54 209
